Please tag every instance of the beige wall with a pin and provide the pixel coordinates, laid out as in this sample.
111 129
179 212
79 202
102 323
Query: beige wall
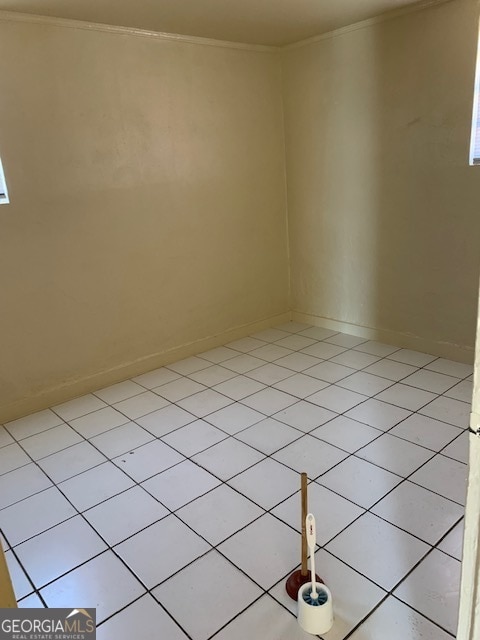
384 211
146 180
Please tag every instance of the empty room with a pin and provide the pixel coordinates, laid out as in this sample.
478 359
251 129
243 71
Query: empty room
239 275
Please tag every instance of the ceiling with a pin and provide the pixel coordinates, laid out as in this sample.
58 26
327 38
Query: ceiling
270 22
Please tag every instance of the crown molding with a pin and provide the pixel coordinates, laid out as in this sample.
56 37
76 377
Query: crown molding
14 16
363 24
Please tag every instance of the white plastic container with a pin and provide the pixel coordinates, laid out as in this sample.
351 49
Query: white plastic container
318 618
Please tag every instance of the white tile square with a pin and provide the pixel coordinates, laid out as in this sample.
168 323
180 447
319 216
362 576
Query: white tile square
124 515
216 590
340 512
390 369
21 483
219 513
32 424
345 340
20 582
219 354
97 422
310 455
243 363
65 546
156 378
144 617
433 588
360 481
50 441
270 374
165 420
148 460
34 515
245 345
394 454
194 437
228 458
266 550
414 358
425 431
377 549
269 435
406 397
430 381
304 416
345 433
450 368
94 486
298 361
444 476
459 448
205 402
378 414
79 407
300 385
265 619
234 418
355 359
376 348
329 371
448 410
239 387
12 457
270 335
103 583
269 401
188 365
121 439
141 404
337 399
420 512
69 462
270 352
212 375
179 389
453 542
159 551
462 391
5 437
317 333
395 621
266 483
354 598
295 342
323 350
365 383
120 391
180 484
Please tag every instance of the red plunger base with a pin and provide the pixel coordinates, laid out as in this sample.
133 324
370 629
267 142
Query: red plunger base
296 580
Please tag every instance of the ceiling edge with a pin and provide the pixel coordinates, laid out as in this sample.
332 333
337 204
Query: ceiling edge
14 16
384 17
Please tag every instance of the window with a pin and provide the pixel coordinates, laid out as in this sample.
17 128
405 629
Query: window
475 139
3 186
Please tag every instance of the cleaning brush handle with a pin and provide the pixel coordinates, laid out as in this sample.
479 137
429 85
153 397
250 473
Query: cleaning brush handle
311 542
304 570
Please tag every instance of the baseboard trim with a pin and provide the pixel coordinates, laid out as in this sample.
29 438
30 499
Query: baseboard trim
74 388
405 340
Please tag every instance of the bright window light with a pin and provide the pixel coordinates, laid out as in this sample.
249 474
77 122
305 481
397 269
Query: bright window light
3 186
475 138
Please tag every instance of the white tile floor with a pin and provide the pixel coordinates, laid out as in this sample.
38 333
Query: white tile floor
170 502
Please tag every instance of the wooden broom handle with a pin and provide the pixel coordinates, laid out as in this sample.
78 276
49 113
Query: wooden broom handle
304 570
